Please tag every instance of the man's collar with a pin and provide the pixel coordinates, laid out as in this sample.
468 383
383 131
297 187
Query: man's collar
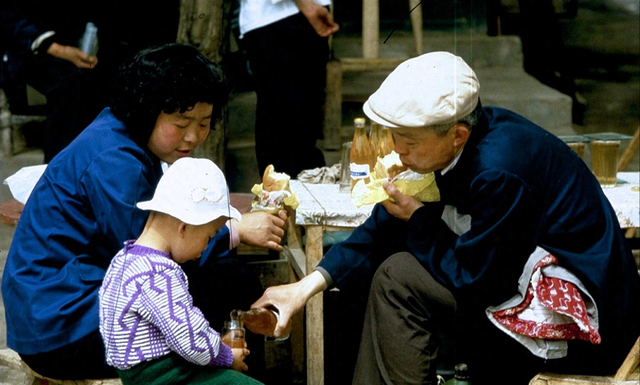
452 165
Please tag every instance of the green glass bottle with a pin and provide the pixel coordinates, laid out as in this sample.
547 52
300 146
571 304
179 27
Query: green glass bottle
460 376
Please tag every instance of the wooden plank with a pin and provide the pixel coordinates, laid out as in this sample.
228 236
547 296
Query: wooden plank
629 152
297 341
559 379
314 312
630 364
370 64
296 258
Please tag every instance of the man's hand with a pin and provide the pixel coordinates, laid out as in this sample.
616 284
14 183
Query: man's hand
72 54
318 16
262 229
403 206
291 298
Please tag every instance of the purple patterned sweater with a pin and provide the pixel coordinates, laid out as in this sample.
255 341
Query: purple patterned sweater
146 312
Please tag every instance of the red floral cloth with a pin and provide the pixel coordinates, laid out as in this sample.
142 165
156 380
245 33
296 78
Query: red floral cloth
552 309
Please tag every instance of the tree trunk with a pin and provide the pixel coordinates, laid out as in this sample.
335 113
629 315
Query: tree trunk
205 25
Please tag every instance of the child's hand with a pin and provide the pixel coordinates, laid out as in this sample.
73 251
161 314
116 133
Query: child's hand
238 360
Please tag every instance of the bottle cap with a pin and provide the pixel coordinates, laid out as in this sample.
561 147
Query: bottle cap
359 121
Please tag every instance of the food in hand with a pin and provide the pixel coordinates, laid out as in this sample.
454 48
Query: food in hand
274 193
389 166
420 186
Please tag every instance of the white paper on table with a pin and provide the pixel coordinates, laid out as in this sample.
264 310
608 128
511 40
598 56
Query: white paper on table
22 182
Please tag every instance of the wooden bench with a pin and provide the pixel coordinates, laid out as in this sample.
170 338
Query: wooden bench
627 374
11 359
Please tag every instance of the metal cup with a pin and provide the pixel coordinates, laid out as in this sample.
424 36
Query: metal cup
345 172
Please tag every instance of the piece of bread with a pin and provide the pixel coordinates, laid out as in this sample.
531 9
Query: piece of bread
274 181
389 166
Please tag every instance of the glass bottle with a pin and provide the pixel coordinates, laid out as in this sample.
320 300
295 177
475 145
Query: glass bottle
361 157
386 143
233 333
374 136
259 320
460 376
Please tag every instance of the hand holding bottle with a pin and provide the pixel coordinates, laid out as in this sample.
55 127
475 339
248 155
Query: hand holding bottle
291 298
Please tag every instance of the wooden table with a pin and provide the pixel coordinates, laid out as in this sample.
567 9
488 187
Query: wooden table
324 208
625 199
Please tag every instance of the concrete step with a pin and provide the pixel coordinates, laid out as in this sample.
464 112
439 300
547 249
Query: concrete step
508 87
497 62
477 49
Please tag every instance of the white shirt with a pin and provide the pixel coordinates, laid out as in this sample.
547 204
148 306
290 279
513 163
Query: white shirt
258 13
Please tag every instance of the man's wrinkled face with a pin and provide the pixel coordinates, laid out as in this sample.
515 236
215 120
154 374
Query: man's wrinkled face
423 150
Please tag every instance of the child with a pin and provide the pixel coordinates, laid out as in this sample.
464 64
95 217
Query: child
151 330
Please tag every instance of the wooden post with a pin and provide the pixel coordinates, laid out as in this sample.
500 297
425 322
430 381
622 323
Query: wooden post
370 28
416 24
333 106
205 25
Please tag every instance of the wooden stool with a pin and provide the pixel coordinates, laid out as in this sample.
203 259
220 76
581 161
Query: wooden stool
11 359
628 374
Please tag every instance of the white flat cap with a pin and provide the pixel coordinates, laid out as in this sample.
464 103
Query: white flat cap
434 88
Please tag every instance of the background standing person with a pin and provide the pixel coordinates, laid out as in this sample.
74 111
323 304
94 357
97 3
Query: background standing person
41 42
519 210
82 210
287 47
153 334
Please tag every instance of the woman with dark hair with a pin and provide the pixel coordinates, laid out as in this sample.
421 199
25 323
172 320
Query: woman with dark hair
82 209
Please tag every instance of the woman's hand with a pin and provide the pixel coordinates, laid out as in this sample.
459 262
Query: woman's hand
402 206
262 229
72 54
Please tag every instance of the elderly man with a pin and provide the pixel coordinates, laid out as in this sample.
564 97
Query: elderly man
522 259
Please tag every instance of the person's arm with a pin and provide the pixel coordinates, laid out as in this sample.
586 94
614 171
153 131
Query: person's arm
318 16
73 55
291 298
112 195
485 262
24 35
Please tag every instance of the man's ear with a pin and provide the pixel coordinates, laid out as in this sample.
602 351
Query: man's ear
462 133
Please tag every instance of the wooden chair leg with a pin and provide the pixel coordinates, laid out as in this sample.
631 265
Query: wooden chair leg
629 152
630 364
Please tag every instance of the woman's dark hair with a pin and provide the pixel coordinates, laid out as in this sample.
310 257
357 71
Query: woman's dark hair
169 78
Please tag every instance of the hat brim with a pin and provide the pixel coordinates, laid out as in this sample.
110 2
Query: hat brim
375 117
195 219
